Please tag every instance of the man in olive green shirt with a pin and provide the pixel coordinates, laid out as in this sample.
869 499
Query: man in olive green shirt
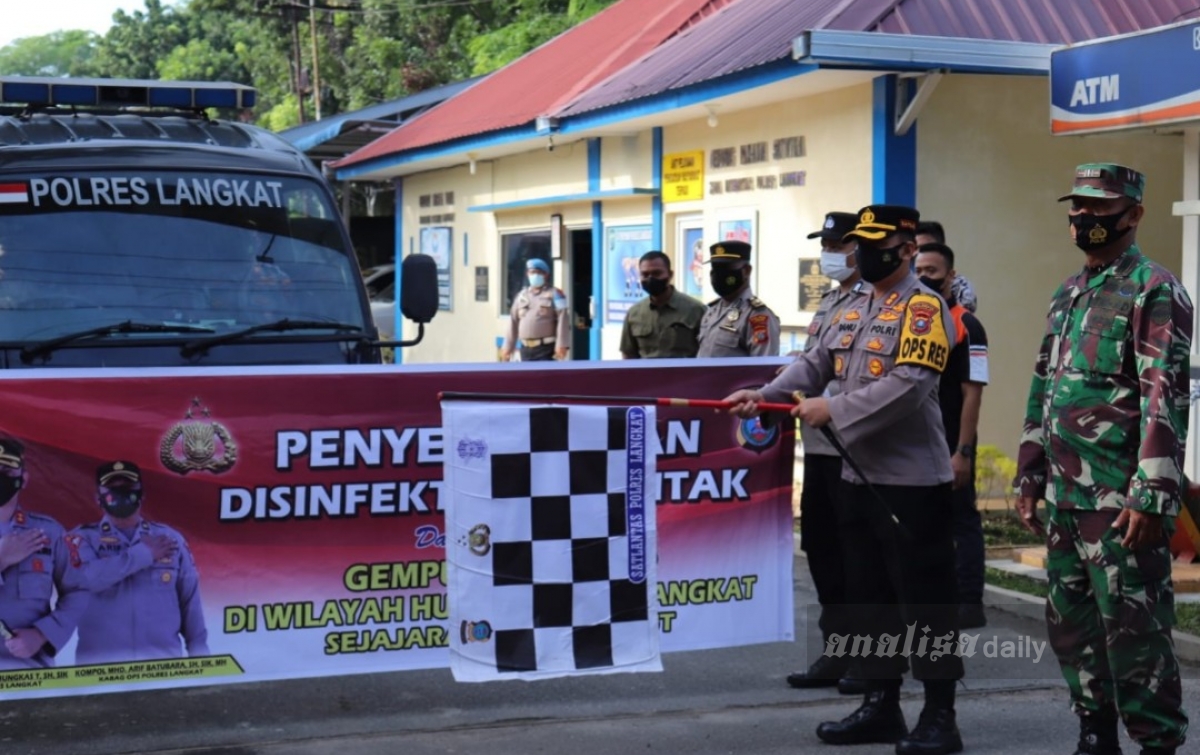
666 323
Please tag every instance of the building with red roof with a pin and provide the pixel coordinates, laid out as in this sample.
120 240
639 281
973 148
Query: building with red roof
673 124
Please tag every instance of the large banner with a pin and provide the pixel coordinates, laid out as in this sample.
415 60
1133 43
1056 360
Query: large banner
288 524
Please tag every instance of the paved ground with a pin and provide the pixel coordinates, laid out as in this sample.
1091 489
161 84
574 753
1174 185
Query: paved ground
708 702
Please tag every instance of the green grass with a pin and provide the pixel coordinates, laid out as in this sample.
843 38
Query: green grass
1187 615
1002 528
1008 581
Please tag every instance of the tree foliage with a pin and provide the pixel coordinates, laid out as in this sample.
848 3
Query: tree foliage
339 54
61 53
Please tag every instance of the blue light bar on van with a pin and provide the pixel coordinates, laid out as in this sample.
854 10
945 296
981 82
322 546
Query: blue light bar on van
188 95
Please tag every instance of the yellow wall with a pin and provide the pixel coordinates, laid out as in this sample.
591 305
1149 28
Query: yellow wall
468 333
836 127
989 170
837 131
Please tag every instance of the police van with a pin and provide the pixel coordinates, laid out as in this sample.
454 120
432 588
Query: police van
137 231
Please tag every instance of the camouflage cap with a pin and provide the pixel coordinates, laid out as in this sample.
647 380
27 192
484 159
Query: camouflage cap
1106 181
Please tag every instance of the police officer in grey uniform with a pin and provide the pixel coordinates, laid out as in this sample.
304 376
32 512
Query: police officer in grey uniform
144 584
540 324
737 324
819 536
886 364
33 567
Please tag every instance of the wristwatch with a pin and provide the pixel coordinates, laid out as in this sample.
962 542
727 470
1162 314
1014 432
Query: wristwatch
967 451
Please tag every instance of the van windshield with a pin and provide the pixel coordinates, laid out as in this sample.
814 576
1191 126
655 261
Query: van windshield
220 251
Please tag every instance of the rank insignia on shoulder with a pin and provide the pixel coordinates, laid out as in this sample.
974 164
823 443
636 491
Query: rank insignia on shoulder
756 302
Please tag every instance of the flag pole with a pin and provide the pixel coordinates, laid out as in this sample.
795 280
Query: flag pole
691 403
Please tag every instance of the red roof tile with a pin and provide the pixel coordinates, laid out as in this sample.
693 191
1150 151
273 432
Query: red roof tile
639 48
556 72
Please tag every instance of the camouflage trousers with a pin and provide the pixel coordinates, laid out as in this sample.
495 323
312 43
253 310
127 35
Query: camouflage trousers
1109 615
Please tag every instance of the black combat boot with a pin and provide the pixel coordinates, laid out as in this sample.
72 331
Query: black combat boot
1098 736
824 672
879 719
851 684
936 733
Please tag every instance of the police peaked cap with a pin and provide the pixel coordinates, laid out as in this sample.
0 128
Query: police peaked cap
837 225
106 474
12 453
728 252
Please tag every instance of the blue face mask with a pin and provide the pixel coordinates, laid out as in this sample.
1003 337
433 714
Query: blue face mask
537 280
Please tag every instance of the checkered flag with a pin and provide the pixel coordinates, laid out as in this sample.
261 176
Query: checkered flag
551 541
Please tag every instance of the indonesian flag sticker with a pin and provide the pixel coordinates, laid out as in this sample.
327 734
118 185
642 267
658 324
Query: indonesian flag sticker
14 193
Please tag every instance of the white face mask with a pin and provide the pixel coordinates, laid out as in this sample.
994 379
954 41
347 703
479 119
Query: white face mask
537 280
833 265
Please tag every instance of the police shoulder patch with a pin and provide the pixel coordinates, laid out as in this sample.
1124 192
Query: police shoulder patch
923 338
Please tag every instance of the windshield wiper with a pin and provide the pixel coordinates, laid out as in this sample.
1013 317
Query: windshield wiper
29 353
199 345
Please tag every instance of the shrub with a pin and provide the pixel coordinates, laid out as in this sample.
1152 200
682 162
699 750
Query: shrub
994 473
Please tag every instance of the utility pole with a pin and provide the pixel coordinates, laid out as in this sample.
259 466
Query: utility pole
316 69
297 61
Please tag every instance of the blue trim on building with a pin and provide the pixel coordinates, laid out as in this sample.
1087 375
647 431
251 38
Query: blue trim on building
893 158
466 249
591 196
594 166
597 280
696 94
398 184
656 205
769 73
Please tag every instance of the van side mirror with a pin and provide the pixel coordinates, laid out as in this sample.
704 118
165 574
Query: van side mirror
418 295
418 288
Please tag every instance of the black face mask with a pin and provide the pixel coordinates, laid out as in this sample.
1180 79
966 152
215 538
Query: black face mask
654 286
120 503
1096 231
937 284
875 263
725 282
9 487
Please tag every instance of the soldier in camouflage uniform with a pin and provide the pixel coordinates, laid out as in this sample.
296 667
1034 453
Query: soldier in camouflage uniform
1103 444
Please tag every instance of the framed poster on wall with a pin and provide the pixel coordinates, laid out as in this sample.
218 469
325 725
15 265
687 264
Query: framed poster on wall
623 247
691 272
436 243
